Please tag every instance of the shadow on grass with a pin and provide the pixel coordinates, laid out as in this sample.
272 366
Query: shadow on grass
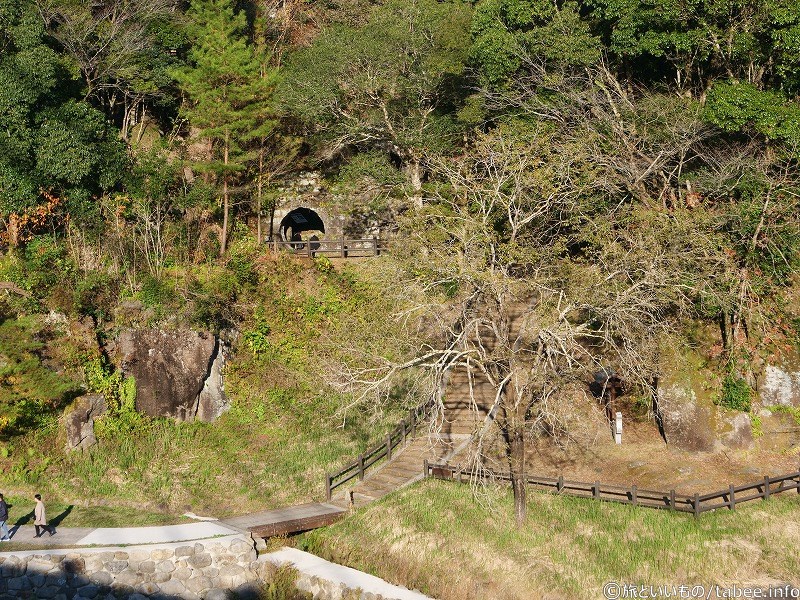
56 521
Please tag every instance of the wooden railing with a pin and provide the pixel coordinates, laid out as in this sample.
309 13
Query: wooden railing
695 504
397 438
332 248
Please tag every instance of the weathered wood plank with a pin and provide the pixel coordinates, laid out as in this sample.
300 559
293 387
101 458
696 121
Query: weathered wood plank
296 525
289 519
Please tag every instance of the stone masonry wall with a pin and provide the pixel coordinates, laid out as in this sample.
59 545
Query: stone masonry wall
206 570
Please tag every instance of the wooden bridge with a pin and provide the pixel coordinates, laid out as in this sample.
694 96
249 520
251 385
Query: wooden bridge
284 521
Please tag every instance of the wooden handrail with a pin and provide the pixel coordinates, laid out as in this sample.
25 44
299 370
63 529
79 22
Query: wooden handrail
336 247
695 504
398 436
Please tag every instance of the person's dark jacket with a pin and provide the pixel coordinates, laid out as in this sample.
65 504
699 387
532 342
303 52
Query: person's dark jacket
3 511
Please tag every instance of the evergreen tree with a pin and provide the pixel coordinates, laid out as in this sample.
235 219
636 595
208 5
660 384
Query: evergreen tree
224 90
51 140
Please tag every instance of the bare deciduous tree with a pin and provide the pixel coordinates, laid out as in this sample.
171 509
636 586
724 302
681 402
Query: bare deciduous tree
530 287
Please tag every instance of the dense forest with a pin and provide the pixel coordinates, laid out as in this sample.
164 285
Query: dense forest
624 169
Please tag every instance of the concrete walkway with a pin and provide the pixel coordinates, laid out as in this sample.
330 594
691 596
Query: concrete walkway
69 536
106 536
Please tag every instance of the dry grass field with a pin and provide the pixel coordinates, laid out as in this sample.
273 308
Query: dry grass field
436 538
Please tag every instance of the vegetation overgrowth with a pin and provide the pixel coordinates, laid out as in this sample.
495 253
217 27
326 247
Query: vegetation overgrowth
589 182
284 429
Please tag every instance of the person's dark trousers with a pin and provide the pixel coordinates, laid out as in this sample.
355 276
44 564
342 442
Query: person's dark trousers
49 529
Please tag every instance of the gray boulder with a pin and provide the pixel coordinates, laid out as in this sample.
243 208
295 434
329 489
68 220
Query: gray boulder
780 385
688 421
79 421
178 373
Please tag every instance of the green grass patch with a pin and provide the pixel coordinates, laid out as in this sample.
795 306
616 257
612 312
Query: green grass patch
61 514
285 428
569 547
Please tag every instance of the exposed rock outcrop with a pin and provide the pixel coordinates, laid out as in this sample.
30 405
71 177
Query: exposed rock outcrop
79 421
688 423
178 373
691 418
780 386
212 401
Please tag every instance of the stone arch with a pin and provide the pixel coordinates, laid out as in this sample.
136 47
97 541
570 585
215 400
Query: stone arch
299 220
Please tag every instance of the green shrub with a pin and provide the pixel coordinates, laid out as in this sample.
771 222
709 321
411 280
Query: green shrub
241 264
736 393
757 426
323 264
155 292
29 391
95 295
281 585
121 418
257 338
215 300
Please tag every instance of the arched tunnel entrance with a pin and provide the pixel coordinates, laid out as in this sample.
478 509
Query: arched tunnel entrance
299 221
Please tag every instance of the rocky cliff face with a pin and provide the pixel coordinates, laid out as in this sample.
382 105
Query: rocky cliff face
694 421
178 373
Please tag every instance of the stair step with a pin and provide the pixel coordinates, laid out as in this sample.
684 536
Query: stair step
404 469
377 494
373 487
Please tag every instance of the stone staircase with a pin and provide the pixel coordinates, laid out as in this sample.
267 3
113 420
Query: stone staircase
447 439
405 468
468 401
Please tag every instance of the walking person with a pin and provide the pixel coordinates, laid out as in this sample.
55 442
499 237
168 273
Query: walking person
4 536
40 517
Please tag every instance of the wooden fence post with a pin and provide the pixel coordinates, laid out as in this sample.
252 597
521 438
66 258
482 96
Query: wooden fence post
425 468
596 490
375 244
672 499
633 495
389 447
361 467
328 491
404 432
766 488
560 484
344 251
731 497
696 503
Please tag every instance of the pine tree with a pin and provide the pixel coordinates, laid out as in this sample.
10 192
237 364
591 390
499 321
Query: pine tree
223 85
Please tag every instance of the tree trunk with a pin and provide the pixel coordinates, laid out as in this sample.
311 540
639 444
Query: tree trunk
272 220
223 236
414 171
259 190
516 457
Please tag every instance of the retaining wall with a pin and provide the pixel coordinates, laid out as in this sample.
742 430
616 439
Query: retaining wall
183 570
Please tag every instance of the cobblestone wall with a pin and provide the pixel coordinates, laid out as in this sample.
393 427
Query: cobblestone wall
188 571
